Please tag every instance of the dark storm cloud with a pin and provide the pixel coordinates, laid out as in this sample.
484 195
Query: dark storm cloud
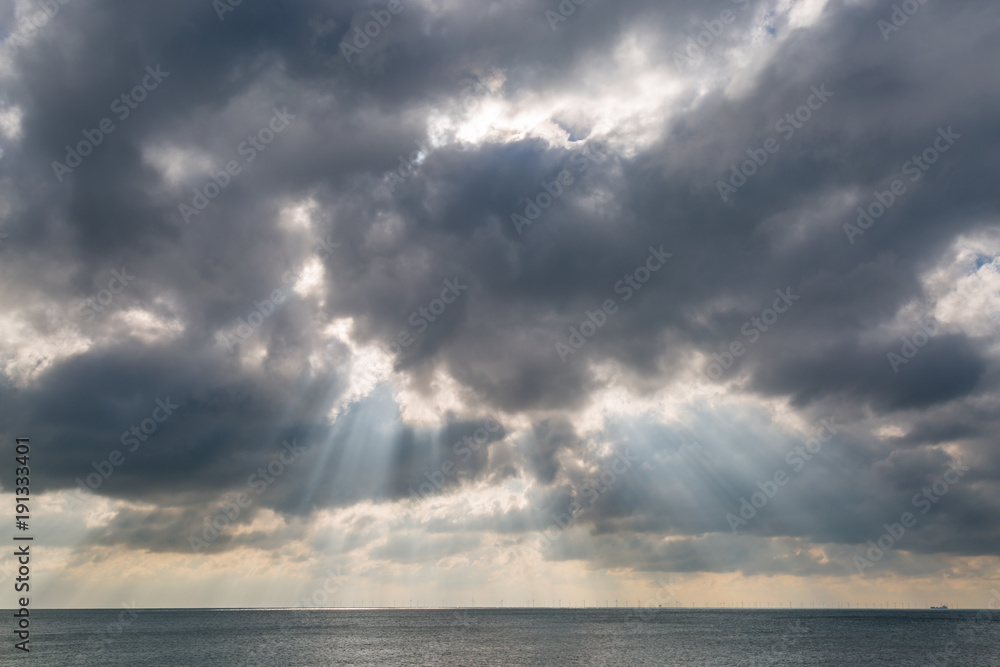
451 220
542 446
196 436
948 367
367 455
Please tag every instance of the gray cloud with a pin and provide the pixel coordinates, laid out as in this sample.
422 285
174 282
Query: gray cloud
452 219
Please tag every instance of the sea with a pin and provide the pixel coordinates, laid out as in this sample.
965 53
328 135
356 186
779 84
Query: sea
491 636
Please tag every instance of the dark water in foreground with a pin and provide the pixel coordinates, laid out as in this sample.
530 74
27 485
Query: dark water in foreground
508 637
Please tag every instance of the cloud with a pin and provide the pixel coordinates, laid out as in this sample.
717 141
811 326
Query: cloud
311 214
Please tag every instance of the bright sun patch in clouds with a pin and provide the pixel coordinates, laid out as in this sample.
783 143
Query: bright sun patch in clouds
33 353
299 215
148 326
310 281
631 74
369 364
965 288
10 122
179 165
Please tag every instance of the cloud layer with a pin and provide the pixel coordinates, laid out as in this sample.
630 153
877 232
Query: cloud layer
376 255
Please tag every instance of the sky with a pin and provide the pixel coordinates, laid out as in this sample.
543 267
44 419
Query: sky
430 302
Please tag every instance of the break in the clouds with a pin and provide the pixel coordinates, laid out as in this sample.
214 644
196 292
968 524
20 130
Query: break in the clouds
466 299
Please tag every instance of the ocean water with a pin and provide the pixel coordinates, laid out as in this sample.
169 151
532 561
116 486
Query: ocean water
509 637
